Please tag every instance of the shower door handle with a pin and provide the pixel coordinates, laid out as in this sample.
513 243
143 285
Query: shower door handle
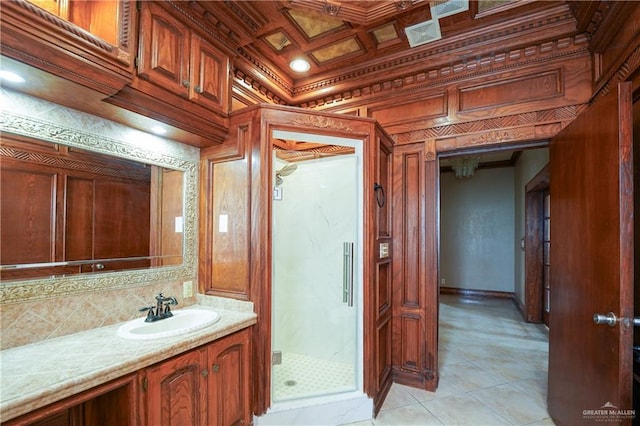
347 273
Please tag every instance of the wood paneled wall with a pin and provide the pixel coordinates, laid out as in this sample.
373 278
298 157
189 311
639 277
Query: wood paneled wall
225 190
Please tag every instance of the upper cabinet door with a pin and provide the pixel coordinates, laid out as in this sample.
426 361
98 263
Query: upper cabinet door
209 75
164 50
90 43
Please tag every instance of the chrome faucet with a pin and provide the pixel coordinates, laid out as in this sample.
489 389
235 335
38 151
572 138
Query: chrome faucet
162 309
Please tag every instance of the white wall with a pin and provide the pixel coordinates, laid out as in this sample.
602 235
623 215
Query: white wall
477 230
530 163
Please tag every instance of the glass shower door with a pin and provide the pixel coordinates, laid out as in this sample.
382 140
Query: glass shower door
316 271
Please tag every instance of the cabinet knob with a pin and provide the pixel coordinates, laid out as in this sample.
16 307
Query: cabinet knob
199 89
215 368
205 373
186 83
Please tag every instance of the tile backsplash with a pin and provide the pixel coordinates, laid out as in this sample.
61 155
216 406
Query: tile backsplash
32 321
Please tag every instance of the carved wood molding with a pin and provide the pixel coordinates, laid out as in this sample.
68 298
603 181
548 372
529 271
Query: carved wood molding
470 66
225 38
320 122
622 73
430 150
511 128
58 161
450 73
249 80
462 45
64 25
245 18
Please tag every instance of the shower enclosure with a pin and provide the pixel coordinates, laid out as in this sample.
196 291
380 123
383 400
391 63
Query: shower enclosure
317 268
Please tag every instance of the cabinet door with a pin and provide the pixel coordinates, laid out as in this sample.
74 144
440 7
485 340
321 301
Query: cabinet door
229 387
163 56
176 391
209 75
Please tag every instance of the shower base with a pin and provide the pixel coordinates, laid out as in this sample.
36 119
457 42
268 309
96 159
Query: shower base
301 376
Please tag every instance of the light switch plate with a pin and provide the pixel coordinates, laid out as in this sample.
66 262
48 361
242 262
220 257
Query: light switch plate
384 250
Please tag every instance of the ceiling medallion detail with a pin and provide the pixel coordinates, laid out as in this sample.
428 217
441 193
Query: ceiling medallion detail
403 5
331 9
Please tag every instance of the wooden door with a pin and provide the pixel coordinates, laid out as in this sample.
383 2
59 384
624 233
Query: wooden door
209 75
229 385
176 391
380 307
164 49
591 171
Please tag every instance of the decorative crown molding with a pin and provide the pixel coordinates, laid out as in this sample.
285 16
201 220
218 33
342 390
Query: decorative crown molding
439 74
495 129
64 25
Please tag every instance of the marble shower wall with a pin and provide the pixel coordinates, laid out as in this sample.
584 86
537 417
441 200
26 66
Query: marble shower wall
317 213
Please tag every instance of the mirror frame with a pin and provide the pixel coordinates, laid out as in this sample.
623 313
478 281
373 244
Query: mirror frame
38 119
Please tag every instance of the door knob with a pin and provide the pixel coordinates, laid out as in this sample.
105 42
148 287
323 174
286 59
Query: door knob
610 319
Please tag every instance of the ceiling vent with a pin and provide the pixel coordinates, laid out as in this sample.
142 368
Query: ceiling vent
423 32
440 9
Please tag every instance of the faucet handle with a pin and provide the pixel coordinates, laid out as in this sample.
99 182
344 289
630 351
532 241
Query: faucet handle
150 314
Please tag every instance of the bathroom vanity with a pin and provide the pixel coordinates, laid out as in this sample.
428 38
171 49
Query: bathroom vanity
97 377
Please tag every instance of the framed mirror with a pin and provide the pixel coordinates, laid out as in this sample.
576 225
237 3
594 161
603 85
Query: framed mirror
90 204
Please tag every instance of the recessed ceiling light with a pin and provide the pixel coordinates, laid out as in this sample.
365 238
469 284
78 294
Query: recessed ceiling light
159 130
300 65
11 76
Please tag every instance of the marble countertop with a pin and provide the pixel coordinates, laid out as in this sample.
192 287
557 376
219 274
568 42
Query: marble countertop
38 374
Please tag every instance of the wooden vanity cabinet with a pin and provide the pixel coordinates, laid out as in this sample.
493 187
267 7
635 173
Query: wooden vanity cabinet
229 381
111 404
206 386
175 391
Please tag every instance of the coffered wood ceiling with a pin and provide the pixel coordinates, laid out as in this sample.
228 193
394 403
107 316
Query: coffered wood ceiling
353 43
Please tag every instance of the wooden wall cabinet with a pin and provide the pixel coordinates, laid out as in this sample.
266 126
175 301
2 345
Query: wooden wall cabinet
206 386
89 43
177 59
182 79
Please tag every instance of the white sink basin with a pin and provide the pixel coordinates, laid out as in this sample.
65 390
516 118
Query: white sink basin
182 321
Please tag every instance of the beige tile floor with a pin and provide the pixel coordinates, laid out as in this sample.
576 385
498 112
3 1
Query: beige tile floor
493 371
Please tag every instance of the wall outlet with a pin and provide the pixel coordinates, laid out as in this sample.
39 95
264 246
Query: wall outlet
187 289
443 281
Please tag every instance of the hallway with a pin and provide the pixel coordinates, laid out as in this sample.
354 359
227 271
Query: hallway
493 371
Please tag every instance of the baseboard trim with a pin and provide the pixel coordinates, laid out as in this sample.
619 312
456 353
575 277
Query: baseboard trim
519 307
480 294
